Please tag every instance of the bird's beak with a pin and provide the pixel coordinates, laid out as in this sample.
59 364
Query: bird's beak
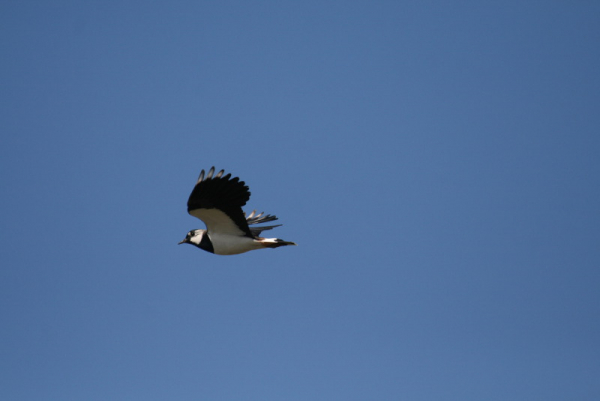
181 242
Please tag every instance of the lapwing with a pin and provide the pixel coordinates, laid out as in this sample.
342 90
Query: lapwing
217 200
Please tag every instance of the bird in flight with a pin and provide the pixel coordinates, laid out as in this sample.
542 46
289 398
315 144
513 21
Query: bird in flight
217 200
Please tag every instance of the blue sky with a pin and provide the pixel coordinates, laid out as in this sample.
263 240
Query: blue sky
436 162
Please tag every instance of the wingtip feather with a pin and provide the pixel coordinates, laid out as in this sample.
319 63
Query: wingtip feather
201 176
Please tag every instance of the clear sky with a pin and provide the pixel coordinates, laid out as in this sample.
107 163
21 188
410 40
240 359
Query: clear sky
437 163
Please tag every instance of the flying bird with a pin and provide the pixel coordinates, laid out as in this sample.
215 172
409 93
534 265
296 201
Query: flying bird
217 200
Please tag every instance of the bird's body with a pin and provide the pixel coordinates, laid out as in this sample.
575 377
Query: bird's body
218 201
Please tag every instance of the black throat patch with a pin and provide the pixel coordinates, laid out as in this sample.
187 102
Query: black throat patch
206 244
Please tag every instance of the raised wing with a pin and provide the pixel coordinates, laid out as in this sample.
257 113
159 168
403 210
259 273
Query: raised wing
258 219
218 201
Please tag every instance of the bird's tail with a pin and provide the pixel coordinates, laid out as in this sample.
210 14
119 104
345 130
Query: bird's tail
274 242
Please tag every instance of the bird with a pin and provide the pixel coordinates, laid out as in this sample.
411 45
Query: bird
217 200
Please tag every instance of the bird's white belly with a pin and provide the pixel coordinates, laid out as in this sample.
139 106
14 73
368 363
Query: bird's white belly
224 244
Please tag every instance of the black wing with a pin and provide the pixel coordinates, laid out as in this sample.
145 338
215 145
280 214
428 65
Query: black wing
225 194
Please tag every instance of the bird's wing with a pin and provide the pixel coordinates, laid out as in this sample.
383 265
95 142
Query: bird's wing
257 230
218 201
258 219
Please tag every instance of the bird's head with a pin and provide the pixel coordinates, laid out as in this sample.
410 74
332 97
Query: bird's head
193 237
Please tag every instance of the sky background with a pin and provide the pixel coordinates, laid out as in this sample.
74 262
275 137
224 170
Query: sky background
436 162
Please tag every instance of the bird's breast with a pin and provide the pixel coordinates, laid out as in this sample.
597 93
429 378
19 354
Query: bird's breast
224 244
